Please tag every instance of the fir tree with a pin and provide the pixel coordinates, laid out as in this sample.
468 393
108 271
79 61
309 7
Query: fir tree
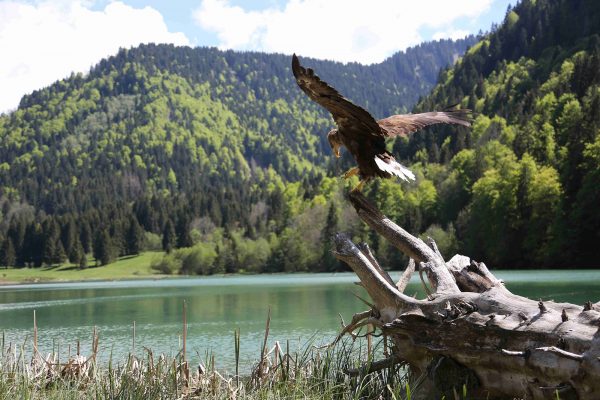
169 238
16 232
7 253
53 251
134 237
70 240
328 260
32 251
182 231
85 236
104 249
83 261
76 253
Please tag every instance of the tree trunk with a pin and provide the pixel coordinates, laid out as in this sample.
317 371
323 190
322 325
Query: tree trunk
471 330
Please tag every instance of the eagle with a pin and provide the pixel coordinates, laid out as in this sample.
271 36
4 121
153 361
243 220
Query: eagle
362 135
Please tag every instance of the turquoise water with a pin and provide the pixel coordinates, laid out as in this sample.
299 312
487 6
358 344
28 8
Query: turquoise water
304 307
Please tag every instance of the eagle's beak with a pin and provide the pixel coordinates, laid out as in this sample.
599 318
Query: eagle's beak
336 151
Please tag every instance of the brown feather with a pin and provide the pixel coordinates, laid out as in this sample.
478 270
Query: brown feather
403 125
344 112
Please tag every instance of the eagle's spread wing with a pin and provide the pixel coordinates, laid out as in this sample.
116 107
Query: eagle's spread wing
403 125
347 116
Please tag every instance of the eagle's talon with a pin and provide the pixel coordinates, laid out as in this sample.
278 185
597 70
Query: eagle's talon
359 187
351 172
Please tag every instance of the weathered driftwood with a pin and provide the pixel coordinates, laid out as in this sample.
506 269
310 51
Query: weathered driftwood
472 330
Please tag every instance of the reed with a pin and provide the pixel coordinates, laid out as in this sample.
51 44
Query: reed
312 372
236 344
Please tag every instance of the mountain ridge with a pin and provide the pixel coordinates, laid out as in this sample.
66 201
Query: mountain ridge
176 136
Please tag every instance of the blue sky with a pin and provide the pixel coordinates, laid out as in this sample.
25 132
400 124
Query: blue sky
43 41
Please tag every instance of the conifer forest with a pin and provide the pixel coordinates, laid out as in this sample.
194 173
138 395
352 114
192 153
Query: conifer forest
217 158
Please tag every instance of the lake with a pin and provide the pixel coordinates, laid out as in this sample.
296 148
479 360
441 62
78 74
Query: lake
304 307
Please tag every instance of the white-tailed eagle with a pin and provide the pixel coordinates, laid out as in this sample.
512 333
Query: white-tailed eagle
362 135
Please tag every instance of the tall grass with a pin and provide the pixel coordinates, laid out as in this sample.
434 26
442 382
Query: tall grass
310 373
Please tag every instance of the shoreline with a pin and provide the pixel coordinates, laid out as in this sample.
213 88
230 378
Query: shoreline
4 283
36 279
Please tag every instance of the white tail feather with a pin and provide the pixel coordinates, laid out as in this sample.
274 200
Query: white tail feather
395 168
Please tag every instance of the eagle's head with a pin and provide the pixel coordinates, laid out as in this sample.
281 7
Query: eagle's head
335 141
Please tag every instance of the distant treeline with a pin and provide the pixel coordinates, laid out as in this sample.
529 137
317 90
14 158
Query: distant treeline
193 146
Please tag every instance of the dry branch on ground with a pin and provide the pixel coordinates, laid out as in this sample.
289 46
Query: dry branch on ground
472 330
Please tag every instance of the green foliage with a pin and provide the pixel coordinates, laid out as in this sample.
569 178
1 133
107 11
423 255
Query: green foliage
200 260
152 242
519 187
444 238
166 265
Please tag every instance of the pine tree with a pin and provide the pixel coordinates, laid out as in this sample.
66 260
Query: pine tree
60 255
182 231
85 236
276 204
229 251
328 260
83 261
169 238
70 240
53 251
104 249
33 245
134 237
117 235
16 232
7 253
76 253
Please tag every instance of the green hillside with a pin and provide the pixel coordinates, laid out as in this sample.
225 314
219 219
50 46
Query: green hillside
168 147
523 187
218 157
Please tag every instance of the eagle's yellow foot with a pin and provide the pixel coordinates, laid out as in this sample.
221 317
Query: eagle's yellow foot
359 187
351 172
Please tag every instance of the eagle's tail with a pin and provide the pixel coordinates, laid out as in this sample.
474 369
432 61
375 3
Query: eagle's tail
395 168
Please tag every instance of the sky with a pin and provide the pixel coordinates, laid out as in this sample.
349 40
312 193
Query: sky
42 41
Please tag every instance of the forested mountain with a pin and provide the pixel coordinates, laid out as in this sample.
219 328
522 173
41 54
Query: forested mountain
167 146
221 155
522 188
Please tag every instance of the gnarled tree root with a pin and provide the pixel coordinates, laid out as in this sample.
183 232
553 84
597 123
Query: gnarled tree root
472 330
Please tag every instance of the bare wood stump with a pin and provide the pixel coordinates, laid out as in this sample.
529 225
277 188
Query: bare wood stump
472 330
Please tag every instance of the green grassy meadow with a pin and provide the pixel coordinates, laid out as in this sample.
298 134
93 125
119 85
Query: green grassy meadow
125 268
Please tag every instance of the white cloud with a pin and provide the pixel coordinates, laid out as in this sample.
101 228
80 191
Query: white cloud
46 41
343 30
450 34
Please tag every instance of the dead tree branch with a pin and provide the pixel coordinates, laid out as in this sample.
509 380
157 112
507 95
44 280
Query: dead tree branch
473 330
